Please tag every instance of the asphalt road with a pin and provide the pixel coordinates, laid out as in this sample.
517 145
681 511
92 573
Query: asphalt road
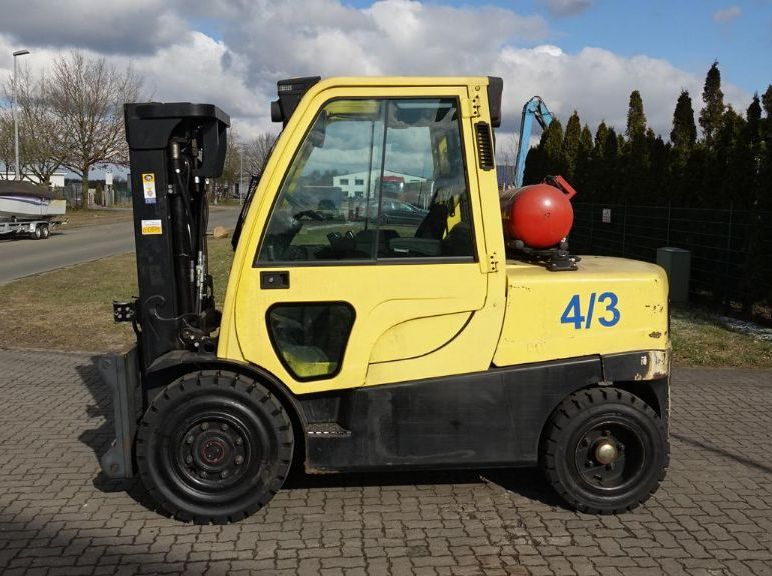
23 257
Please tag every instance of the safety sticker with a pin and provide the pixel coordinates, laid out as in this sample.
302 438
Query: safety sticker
151 227
148 187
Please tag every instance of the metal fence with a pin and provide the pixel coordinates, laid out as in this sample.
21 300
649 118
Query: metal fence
731 249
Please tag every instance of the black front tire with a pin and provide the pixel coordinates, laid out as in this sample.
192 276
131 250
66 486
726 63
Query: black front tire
214 447
605 451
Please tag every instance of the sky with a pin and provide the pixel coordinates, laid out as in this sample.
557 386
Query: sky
586 55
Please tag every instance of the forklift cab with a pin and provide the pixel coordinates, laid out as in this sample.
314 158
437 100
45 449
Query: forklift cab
355 296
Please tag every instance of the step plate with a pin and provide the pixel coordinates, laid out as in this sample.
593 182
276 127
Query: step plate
327 430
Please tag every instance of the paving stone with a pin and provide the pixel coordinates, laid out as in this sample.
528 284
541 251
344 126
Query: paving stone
58 515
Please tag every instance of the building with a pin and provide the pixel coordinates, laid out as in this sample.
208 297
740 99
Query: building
354 184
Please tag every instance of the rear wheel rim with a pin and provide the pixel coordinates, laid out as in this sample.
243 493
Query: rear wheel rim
610 456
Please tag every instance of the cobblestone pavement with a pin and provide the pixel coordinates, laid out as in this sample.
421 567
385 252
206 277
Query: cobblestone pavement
712 516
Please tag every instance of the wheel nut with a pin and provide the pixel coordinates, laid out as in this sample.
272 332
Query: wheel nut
189 459
223 427
239 460
224 474
205 425
189 439
238 441
587 464
203 474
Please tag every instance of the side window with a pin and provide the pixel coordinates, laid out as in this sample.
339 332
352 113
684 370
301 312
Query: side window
310 338
424 196
374 179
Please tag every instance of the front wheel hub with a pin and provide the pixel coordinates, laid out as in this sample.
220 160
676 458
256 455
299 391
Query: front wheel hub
606 452
214 451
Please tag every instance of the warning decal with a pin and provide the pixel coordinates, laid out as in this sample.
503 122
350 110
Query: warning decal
151 227
148 187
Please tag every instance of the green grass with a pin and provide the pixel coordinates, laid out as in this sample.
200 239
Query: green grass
700 340
71 309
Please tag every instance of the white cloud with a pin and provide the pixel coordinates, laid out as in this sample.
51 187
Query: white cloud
263 41
727 14
117 26
565 8
597 83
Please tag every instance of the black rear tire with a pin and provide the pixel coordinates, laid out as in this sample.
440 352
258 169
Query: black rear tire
605 451
214 447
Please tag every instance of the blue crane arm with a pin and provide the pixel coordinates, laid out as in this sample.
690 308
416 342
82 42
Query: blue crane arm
534 108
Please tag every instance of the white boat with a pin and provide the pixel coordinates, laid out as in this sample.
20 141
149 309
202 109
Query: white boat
25 201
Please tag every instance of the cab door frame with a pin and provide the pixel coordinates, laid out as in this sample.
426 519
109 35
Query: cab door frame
245 336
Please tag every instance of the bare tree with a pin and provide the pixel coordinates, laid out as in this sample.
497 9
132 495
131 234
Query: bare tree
39 128
87 96
256 152
506 152
232 165
253 152
6 140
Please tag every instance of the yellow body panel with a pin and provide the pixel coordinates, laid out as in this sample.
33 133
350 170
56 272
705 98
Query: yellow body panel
431 331
537 300
416 320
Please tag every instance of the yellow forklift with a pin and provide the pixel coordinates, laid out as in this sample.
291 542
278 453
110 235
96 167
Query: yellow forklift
382 311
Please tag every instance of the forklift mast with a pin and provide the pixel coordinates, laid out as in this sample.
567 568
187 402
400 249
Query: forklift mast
174 148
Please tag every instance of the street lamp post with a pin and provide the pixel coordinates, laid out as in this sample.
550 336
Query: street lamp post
241 175
13 111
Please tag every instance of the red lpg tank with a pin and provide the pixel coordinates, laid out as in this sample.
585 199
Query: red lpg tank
540 215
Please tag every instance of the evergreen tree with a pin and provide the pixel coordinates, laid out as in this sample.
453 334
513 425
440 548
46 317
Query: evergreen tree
684 132
553 147
636 119
765 185
683 137
713 112
753 118
766 154
767 101
596 168
582 179
546 157
751 152
600 137
608 170
725 181
660 186
571 145
748 156
636 152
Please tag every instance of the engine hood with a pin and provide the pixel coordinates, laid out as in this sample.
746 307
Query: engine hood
607 306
